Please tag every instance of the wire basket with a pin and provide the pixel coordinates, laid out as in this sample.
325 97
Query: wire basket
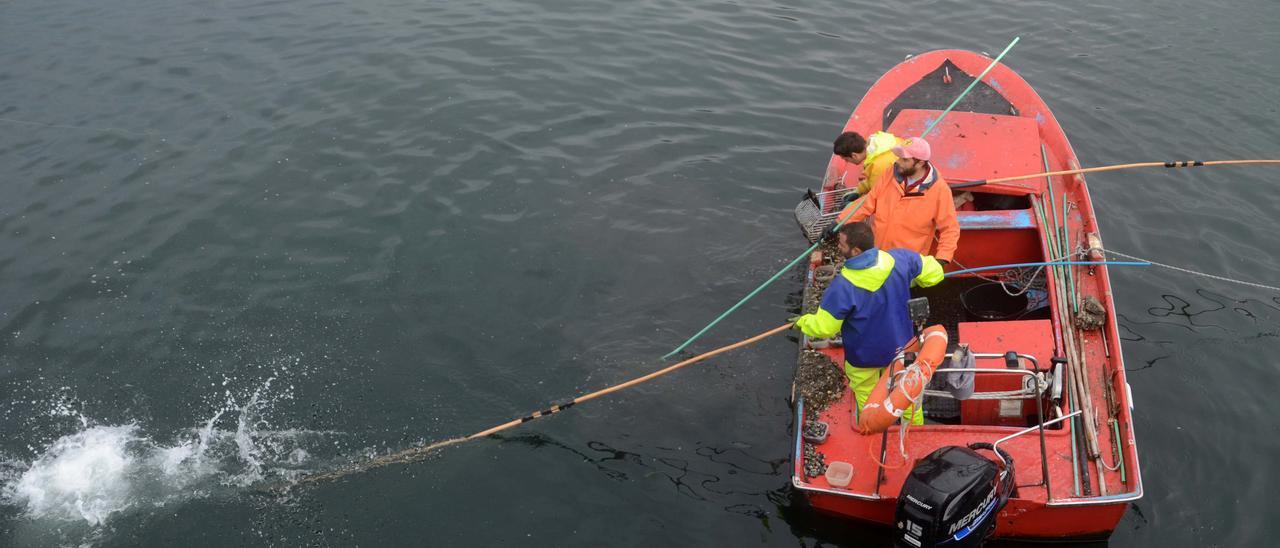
817 211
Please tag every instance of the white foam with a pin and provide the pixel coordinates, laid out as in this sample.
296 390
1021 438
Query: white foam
84 476
100 470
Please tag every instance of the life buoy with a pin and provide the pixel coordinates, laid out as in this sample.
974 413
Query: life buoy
883 407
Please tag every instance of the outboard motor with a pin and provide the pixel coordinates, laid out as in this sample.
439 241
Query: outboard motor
951 498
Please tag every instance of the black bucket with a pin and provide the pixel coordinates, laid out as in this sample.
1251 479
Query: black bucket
990 301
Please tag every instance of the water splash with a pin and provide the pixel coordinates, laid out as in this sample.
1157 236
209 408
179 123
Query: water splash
104 470
81 476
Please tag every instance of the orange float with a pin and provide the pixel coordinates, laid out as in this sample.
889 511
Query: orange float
885 407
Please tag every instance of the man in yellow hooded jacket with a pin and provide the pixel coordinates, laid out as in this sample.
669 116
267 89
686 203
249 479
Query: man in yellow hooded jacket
873 153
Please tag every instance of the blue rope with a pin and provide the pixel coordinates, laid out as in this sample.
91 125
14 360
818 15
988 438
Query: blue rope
1049 263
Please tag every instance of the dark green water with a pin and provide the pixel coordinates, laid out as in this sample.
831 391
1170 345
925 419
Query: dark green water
244 240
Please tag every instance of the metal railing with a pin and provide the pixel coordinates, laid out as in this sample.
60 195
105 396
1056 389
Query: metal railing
1041 386
1025 393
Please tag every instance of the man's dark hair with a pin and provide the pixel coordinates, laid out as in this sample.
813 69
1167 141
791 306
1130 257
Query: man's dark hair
849 142
859 235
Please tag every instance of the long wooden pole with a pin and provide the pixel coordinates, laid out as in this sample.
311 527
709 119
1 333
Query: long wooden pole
1076 367
1053 273
1116 167
413 454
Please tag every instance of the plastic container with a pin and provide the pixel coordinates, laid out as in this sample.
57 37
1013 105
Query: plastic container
815 432
839 473
818 344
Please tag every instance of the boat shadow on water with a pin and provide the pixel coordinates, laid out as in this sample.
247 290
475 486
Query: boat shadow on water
718 477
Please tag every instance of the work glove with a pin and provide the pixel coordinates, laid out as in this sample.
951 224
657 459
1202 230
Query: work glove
830 232
792 320
849 199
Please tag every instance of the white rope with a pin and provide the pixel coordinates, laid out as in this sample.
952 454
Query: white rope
1103 461
917 404
1118 450
1017 275
1194 273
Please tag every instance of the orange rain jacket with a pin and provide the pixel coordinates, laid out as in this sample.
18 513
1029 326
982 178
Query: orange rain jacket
909 221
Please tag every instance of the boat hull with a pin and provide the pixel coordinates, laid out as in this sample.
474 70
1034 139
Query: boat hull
1004 128
1020 519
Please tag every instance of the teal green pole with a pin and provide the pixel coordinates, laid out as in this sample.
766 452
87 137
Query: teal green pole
1071 272
740 303
759 289
1053 204
842 222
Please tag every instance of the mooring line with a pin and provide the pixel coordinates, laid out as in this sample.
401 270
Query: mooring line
1195 273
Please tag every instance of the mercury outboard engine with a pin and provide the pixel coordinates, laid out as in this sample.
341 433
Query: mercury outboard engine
951 498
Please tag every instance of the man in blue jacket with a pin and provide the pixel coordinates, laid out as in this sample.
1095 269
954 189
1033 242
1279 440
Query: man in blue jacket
867 305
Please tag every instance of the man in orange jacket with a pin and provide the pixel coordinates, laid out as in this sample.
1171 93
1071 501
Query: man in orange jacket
910 204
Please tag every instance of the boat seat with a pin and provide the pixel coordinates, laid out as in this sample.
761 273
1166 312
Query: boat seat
996 220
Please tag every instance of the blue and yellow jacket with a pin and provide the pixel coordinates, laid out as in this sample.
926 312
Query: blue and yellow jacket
867 304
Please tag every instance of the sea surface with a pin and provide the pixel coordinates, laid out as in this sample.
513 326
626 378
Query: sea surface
241 242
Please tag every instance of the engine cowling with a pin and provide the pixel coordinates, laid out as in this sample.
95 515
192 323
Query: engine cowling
951 498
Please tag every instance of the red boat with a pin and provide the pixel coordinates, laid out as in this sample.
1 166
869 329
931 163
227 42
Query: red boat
1049 386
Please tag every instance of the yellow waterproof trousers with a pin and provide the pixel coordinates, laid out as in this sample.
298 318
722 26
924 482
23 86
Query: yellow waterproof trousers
862 380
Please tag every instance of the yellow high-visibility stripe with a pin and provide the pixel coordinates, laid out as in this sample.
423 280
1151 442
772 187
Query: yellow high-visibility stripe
931 272
820 324
871 278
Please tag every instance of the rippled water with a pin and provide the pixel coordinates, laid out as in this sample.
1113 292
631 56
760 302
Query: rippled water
244 240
